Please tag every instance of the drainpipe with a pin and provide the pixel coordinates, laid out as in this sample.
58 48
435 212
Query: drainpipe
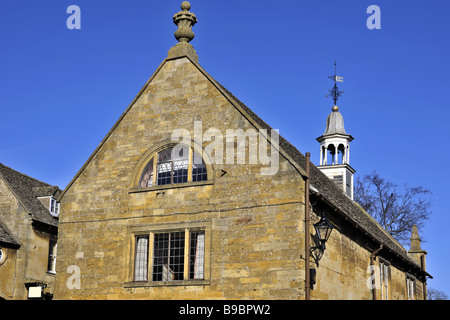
307 230
424 284
372 263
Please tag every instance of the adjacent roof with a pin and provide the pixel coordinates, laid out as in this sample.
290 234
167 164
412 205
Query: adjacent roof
328 191
6 237
26 190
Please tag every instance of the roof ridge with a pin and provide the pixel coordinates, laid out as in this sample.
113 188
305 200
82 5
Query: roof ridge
24 175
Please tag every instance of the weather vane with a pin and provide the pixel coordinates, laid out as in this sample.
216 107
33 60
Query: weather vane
334 92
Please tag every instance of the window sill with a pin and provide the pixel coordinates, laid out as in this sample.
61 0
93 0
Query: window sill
171 186
141 284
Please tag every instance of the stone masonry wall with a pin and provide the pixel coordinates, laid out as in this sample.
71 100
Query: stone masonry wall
252 222
29 262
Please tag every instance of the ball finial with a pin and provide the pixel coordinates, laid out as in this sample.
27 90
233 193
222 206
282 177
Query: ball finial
335 108
185 5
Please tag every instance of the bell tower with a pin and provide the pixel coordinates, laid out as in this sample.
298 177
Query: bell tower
335 145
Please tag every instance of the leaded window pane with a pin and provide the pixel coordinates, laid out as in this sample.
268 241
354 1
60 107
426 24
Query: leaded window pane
147 175
198 169
172 167
197 255
168 256
141 259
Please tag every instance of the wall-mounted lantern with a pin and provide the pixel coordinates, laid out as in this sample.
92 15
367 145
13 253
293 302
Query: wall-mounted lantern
323 230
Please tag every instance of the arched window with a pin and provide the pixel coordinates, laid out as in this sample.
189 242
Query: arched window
173 165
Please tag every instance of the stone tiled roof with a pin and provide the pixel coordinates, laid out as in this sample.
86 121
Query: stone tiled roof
26 190
330 193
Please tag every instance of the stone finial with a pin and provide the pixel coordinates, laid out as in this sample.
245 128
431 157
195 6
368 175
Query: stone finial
415 240
415 252
185 20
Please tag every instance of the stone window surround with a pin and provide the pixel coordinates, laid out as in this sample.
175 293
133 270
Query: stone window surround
151 229
2 256
52 255
149 154
385 280
410 281
53 205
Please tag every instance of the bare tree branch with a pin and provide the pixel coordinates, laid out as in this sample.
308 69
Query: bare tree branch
434 294
395 210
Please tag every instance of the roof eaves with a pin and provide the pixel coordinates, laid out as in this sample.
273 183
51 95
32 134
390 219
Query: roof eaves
6 237
21 186
389 243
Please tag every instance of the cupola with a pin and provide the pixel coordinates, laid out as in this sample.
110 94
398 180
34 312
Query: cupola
335 146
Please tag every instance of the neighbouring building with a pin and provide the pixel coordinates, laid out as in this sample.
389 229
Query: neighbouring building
174 204
28 234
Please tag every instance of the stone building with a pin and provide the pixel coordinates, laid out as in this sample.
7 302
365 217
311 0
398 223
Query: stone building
192 196
28 234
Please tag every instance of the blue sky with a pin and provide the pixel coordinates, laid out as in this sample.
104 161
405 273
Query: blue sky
62 90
